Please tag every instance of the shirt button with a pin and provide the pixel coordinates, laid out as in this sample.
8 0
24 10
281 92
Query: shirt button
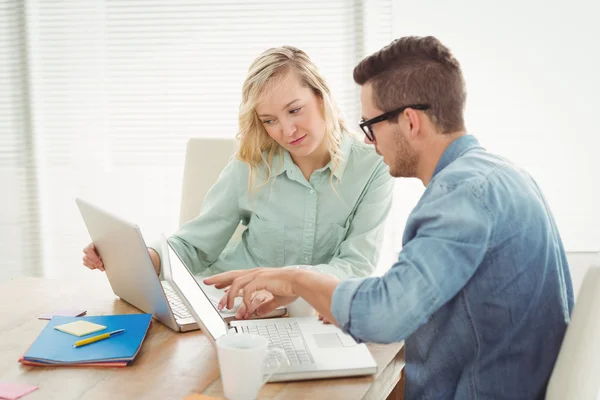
311 191
306 258
310 224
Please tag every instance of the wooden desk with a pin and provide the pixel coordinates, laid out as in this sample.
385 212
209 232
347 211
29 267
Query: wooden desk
170 365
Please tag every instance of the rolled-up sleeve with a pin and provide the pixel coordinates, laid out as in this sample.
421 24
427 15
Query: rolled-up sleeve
200 241
342 301
448 236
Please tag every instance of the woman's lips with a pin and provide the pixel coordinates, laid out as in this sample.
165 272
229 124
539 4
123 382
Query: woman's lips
298 141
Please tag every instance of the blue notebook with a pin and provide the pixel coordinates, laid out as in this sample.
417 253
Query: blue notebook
55 347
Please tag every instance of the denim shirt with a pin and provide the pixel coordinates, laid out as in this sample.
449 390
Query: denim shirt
481 291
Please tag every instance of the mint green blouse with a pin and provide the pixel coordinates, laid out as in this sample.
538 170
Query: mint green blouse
331 224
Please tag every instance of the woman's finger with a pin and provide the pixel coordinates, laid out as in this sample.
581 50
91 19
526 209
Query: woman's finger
268 306
241 312
240 285
253 283
88 262
222 303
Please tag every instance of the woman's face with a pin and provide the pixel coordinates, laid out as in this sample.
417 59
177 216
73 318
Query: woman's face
292 115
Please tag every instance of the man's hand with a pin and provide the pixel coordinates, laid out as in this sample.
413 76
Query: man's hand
285 284
278 282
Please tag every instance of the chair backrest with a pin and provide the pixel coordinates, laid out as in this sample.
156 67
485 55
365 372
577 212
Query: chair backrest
576 374
205 158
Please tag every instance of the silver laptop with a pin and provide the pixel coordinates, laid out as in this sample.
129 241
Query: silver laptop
313 349
130 271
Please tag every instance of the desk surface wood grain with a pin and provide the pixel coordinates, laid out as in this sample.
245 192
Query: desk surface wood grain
170 365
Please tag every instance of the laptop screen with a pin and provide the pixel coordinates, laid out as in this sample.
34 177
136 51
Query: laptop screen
200 306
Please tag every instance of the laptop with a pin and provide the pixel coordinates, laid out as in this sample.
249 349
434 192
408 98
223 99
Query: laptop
313 349
130 271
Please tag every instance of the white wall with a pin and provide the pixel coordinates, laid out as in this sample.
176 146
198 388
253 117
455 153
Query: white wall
532 70
579 263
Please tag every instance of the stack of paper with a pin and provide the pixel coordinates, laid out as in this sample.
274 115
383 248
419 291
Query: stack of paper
55 346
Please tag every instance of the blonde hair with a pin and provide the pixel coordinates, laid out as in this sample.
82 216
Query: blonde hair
254 140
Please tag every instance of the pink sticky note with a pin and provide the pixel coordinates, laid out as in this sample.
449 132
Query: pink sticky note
63 313
14 391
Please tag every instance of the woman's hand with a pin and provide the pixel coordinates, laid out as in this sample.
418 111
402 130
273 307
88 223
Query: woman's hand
325 320
91 259
244 312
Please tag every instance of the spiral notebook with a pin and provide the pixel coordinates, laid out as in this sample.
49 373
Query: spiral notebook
55 348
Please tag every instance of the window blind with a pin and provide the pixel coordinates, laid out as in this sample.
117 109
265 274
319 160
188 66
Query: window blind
19 217
117 88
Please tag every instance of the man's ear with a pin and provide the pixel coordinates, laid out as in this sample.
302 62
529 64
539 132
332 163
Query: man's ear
414 122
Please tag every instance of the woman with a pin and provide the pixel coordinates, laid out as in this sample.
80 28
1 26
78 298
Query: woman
309 193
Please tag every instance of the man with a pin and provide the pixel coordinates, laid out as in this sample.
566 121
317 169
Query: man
481 291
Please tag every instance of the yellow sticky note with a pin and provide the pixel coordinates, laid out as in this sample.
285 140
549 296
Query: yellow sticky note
80 328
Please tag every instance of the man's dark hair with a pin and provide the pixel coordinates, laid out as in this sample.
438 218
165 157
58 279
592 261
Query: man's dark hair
417 70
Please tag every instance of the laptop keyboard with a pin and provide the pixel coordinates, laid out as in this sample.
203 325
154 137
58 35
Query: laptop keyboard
175 302
179 309
284 336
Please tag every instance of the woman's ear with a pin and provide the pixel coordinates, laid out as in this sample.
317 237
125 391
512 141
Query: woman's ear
320 99
321 102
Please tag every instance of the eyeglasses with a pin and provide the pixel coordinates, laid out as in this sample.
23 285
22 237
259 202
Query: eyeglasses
366 125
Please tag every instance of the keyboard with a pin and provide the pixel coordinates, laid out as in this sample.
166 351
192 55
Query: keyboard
286 336
177 306
179 309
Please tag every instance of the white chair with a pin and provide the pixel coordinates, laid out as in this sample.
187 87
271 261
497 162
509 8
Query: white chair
576 374
205 158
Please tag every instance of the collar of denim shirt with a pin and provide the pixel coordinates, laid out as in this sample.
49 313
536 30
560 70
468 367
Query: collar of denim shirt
456 149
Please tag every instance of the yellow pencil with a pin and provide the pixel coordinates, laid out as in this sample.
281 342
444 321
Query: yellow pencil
93 339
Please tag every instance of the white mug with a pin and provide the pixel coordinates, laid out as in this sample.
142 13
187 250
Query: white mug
242 358
300 308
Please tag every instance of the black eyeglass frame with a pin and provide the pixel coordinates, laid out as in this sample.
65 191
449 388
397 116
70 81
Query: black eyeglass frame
365 126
